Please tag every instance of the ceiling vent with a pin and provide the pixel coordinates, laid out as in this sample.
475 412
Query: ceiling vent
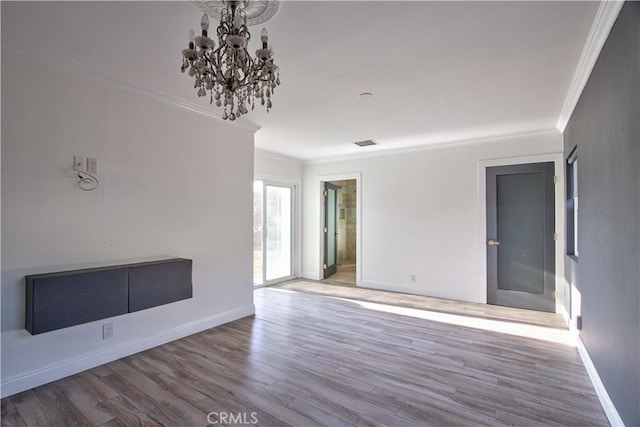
366 143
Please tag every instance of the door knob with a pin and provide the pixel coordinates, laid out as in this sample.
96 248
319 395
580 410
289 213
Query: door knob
492 242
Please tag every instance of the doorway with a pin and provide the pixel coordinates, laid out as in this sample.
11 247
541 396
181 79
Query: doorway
340 231
521 236
272 232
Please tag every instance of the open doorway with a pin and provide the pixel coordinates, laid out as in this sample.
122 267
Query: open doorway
340 231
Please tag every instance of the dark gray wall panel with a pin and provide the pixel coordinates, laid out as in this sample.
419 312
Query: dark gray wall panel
159 283
605 128
60 300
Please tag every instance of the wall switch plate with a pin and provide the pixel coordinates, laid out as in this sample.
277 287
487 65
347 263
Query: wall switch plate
413 277
92 165
79 163
107 330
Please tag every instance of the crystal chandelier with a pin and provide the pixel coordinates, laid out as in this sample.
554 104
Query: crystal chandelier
228 73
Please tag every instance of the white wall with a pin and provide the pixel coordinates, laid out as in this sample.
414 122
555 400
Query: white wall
420 215
275 167
172 183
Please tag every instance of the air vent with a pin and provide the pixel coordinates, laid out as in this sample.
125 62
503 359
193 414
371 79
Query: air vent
366 143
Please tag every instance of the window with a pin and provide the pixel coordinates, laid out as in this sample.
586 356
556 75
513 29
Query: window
572 203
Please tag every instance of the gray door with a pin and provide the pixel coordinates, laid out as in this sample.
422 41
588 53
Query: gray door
330 229
520 236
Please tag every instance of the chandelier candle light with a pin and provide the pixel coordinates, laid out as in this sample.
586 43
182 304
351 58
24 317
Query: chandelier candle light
231 76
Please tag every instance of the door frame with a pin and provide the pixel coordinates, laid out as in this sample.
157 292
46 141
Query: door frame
558 161
329 269
538 174
321 179
296 225
265 258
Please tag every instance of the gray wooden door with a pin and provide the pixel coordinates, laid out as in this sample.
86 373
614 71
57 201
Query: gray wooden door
520 236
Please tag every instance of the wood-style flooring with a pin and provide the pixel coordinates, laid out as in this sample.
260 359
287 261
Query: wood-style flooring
486 311
343 278
316 355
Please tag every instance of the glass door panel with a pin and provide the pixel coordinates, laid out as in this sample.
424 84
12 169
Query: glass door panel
330 231
258 215
331 226
520 228
278 247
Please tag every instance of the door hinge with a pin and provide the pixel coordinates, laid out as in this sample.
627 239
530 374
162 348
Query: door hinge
555 236
553 294
325 229
324 266
555 179
324 193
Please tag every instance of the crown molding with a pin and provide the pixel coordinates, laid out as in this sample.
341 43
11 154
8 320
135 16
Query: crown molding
96 74
439 146
600 29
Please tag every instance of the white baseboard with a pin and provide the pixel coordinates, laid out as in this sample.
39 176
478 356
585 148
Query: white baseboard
609 409
311 275
384 286
38 377
413 289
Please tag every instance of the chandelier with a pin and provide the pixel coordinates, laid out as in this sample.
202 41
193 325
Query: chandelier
228 73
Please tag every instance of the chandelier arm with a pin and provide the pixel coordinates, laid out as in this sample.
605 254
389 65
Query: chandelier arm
233 77
215 66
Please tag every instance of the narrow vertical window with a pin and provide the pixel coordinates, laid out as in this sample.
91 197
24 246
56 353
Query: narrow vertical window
572 203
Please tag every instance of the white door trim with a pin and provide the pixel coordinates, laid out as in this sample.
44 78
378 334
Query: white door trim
296 225
320 180
558 159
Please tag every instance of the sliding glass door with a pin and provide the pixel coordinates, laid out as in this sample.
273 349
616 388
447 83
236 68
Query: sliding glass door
273 233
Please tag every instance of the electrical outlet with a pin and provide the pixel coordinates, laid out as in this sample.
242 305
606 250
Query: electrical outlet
413 277
92 165
107 330
579 323
79 163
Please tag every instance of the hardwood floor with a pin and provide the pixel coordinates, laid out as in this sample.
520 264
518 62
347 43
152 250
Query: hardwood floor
550 320
315 356
346 275
343 278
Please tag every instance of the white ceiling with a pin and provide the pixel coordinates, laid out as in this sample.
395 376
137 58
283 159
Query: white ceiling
439 71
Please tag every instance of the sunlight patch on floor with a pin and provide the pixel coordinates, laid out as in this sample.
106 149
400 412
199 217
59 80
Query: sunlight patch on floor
558 336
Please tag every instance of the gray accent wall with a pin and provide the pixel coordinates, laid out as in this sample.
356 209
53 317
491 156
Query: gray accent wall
604 127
